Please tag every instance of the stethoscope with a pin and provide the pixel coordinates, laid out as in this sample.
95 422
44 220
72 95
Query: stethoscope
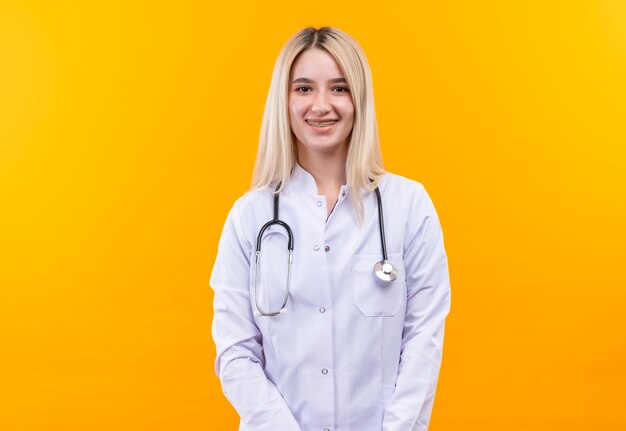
383 269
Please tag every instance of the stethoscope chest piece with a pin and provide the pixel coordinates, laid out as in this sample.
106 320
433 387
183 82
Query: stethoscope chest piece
385 270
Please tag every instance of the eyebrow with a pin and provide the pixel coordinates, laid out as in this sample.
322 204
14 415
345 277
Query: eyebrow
310 81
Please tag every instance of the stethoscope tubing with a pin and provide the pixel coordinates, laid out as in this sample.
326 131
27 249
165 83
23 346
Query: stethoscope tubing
383 269
381 223
274 221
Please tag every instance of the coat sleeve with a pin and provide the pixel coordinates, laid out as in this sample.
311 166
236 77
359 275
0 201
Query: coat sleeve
428 304
240 361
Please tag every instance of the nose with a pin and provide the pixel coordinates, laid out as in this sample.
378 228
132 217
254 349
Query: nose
321 104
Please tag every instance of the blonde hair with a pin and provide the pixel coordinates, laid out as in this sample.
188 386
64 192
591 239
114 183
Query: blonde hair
277 152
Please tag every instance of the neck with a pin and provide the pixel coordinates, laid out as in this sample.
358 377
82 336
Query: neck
328 169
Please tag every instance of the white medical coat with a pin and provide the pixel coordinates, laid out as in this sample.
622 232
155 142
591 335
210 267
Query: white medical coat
352 353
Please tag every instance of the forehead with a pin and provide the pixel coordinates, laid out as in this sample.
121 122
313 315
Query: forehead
315 63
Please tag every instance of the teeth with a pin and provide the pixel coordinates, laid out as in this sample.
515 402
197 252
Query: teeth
321 123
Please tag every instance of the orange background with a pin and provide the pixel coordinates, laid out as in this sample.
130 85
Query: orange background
127 130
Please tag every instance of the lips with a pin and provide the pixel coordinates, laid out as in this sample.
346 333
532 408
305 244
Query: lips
321 123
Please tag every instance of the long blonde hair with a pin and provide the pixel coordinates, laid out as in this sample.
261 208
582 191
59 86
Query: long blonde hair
277 153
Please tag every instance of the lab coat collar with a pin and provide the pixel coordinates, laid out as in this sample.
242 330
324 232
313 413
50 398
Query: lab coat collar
302 181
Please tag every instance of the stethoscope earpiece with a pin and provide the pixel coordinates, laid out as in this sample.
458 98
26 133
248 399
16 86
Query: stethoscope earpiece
385 270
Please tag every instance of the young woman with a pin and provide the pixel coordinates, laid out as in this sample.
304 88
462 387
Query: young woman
331 316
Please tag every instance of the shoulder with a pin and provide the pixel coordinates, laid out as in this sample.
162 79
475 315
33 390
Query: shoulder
409 194
252 198
247 210
402 187
240 221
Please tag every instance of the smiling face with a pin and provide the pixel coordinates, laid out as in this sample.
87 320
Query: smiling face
321 111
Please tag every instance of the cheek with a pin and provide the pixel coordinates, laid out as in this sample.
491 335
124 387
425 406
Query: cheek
295 123
348 114
347 110
295 109
291 107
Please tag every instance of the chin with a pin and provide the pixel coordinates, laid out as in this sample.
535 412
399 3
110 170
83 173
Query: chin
320 147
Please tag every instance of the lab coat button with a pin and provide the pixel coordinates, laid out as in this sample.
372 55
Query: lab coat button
316 247
327 248
319 203
322 310
324 371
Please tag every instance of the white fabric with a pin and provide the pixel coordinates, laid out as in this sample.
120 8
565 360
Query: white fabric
380 345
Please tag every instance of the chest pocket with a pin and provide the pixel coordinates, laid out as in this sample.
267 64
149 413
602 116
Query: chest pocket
373 296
